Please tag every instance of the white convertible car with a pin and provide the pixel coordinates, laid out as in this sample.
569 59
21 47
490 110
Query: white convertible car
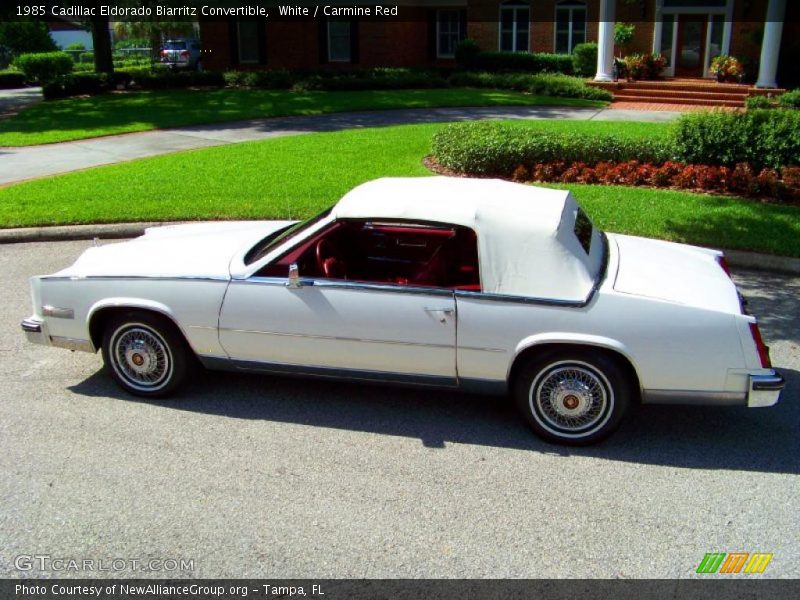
479 285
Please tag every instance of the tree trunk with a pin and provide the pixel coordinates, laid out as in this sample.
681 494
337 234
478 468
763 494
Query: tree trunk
101 38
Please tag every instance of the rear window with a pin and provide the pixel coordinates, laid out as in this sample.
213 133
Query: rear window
173 45
583 230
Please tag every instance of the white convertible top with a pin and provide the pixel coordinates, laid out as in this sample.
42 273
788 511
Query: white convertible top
527 245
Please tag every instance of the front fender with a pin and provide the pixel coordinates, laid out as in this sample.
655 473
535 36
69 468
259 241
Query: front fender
132 303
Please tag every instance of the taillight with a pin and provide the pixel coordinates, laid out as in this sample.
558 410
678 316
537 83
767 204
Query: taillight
184 53
163 53
761 348
724 264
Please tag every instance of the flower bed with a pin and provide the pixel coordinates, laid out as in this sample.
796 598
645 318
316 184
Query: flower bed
783 185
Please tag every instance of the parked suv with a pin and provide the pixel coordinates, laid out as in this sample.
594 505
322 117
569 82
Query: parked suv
182 53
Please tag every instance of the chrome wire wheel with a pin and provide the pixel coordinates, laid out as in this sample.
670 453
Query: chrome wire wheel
141 357
571 399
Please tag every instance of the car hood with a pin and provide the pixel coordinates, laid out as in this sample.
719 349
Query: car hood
192 250
675 273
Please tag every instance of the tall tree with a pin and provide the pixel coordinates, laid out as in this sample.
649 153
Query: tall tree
101 40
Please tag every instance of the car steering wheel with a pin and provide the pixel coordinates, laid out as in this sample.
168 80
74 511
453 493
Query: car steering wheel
328 260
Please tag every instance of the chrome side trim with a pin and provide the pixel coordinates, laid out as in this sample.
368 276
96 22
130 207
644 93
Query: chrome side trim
693 397
58 312
336 338
349 285
72 343
522 299
479 349
136 278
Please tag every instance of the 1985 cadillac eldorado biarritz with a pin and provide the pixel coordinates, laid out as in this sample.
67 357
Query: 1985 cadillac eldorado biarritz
479 285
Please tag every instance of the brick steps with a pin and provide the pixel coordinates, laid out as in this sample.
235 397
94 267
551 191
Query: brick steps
660 99
685 92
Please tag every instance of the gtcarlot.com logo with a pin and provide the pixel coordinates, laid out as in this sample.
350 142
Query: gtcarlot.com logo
734 562
46 562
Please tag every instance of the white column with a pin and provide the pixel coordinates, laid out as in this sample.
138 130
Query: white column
605 42
771 46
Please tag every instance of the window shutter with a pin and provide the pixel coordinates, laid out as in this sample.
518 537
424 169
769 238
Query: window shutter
233 39
354 45
323 41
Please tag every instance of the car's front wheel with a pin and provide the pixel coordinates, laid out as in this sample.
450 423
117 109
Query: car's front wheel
573 397
145 354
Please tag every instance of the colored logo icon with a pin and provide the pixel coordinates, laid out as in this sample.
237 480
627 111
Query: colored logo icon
734 562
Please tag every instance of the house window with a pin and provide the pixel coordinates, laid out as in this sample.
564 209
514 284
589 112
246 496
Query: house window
339 41
247 40
448 32
514 26
570 26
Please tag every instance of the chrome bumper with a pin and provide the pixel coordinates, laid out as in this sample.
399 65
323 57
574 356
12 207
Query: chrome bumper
765 390
34 331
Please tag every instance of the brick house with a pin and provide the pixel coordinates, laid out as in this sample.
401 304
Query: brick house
689 33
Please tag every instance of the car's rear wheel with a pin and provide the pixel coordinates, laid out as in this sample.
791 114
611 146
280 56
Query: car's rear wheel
573 397
145 354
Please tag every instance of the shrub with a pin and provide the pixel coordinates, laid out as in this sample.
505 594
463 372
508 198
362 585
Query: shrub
523 61
466 53
75 46
790 99
45 66
553 84
543 84
644 66
11 79
374 79
584 59
761 138
270 80
758 102
498 148
726 68
147 79
76 84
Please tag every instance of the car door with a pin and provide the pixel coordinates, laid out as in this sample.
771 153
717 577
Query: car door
328 326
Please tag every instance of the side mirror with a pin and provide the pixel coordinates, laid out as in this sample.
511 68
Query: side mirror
294 276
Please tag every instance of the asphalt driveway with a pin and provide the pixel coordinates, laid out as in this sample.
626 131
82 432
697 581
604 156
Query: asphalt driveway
268 477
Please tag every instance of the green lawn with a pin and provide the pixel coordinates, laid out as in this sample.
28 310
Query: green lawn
108 114
298 176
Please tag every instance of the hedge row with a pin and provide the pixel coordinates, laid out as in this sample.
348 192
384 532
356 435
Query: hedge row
787 100
469 56
741 180
360 79
761 138
11 79
498 148
543 84
77 84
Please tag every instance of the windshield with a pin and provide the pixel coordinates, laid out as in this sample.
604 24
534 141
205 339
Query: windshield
173 45
274 239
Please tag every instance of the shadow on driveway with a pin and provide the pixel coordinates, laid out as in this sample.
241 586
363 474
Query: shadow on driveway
734 438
